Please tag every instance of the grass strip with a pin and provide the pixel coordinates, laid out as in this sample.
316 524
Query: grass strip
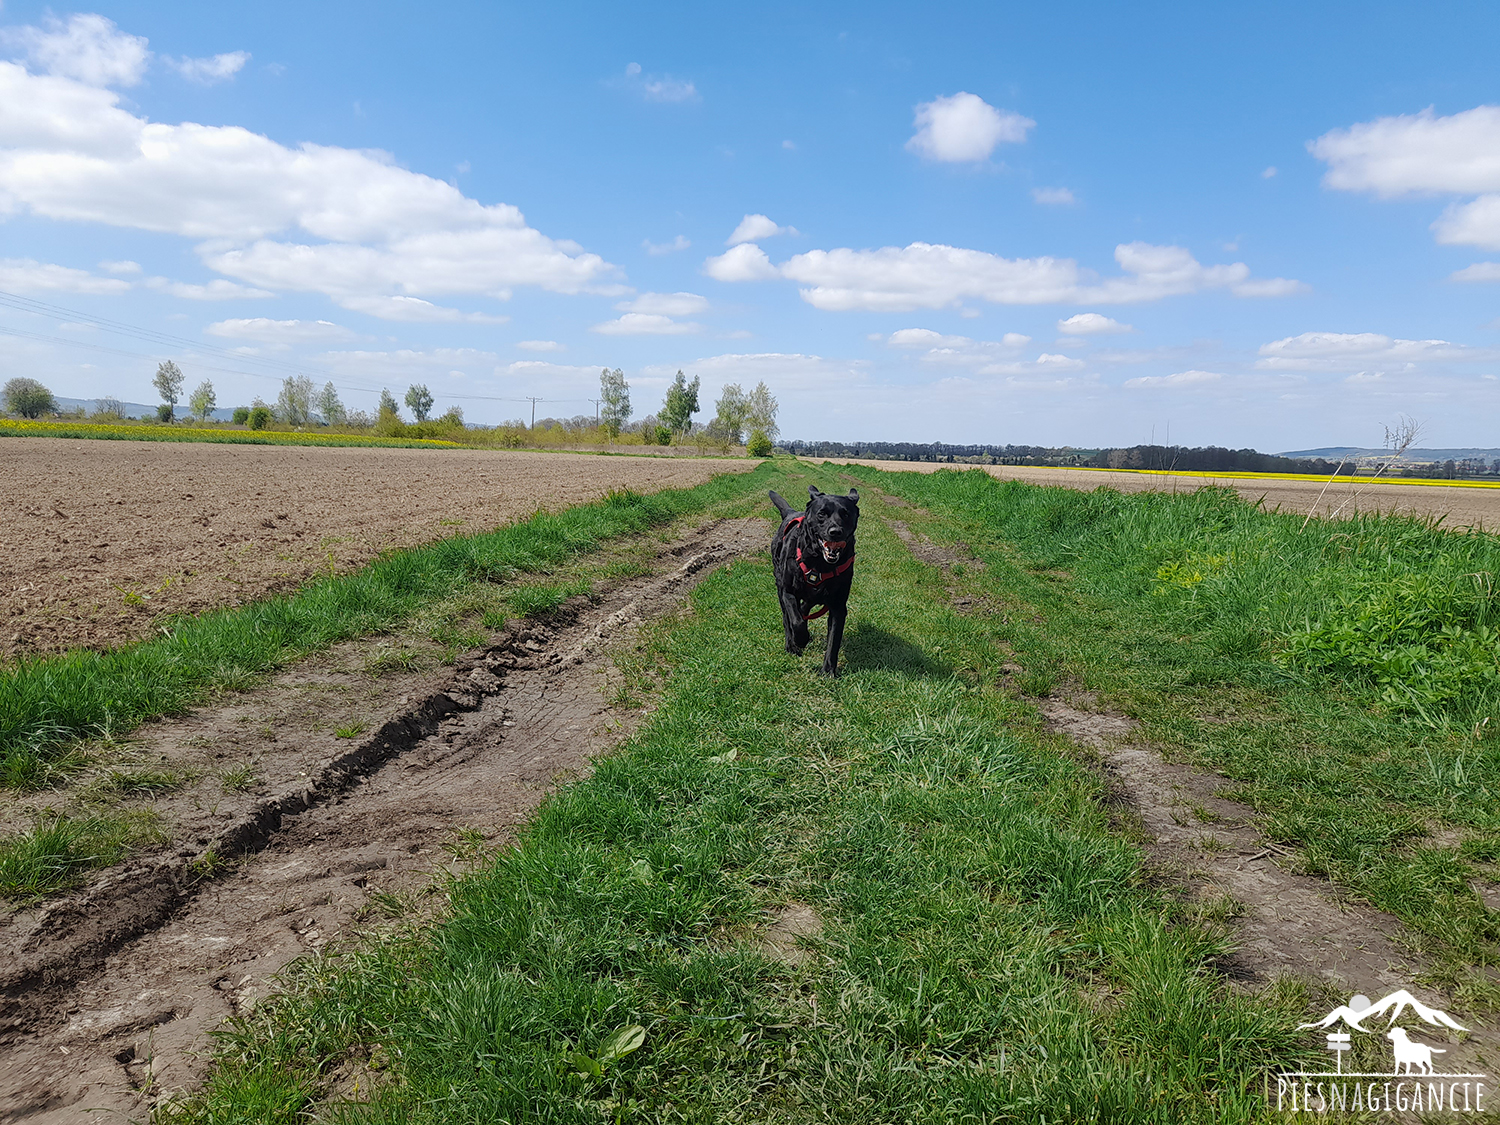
1343 675
989 951
58 849
117 432
49 703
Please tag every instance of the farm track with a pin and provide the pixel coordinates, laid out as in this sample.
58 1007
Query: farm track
109 994
103 541
1284 923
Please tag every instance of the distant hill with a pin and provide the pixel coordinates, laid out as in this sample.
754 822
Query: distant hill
1339 452
136 409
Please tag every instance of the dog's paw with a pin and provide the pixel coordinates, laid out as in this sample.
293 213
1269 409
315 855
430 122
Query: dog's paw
831 673
795 650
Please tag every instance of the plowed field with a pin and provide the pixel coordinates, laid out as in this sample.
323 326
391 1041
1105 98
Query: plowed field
101 541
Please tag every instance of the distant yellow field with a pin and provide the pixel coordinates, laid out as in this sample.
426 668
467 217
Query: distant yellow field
1319 477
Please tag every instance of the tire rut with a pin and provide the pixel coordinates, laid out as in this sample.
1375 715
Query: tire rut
109 995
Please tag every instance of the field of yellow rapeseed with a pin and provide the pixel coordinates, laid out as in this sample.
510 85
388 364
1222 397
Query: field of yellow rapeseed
124 431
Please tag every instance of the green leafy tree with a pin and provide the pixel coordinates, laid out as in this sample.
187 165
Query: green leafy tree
761 411
203 400
614 400
681 404
168 384
419 398
331 407
241 415
28 398
732 410
294 403
388 403
453 417
759 445
260 415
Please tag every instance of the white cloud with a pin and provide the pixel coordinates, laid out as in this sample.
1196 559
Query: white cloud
964 128
658 248
753 228
541 346
659 89
123 267
1180 379
68 151
1052 196
925 338
414 310
1425 154
1412 153
1268 173
1338 351
278 331
928 276
216 290
1479 271
1471 224
1091 324
25 275
396 366
206 72
645 324
89 48
665 304
1060 362
745 262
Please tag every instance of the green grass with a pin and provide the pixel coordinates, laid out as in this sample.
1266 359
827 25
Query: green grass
990 950
58 849
1341 674
49 704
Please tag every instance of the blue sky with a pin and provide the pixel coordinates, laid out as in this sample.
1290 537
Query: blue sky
1271 225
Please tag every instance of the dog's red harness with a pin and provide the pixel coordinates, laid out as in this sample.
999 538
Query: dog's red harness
815 578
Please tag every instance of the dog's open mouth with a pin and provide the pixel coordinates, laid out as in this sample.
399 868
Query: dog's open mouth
832 551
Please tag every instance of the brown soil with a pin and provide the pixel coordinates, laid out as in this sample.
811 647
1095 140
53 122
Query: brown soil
1459 507
107 995
103 539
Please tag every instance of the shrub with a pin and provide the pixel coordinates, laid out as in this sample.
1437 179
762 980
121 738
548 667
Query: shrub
259 417
663 435
759 445
241 415
28 398
164 412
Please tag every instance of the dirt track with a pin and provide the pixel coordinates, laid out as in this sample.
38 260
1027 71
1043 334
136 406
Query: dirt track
1460 507
107 995
102 539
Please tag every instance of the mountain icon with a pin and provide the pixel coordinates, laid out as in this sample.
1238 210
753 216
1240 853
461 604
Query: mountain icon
1396 1003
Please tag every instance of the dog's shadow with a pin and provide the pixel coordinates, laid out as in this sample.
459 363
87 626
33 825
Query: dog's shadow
870 647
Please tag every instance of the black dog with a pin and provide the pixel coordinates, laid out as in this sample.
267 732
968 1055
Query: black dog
813 557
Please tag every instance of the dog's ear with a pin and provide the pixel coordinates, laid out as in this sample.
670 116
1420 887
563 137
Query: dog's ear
854 495
812 490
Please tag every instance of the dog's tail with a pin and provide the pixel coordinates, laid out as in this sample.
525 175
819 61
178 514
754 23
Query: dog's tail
781 505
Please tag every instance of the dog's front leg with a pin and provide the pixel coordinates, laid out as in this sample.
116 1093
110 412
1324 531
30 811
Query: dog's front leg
793 623
837 614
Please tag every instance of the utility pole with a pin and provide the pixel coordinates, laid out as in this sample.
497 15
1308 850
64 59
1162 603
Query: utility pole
533 402
596 402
